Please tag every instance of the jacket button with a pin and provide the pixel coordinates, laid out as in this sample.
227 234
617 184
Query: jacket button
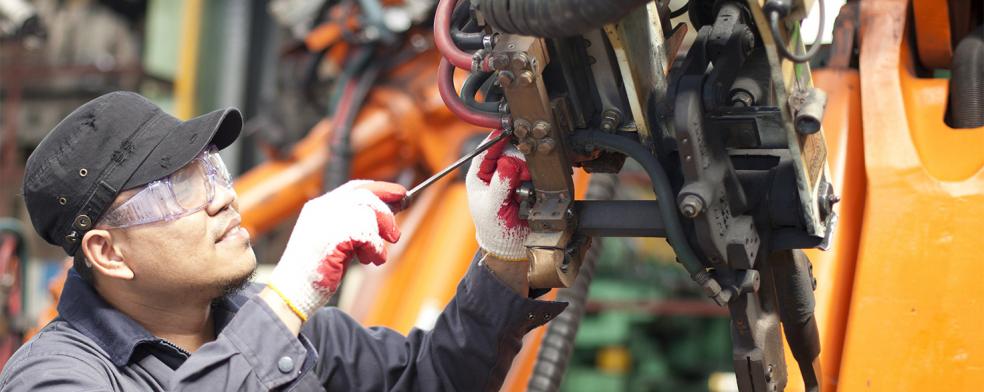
285 364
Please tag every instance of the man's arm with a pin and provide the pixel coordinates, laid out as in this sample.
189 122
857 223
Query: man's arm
470 348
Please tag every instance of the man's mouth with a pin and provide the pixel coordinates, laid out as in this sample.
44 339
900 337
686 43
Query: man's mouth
232 230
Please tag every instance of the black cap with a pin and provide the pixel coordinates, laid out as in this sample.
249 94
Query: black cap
115 142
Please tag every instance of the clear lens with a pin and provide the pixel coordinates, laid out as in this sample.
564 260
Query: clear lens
190 186
184 192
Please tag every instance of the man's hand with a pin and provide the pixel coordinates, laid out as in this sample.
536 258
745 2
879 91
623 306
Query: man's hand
492 180
351 221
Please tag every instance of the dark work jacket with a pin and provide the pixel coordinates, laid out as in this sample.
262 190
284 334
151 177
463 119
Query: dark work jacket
93 347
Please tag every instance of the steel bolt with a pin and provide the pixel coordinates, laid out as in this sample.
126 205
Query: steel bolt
546 145
691 206
526 78
520 60
610 119
500 61
541 129
521 128
526 147
741 98
505 78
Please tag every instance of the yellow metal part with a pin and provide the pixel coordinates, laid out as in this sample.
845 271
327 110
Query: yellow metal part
186 78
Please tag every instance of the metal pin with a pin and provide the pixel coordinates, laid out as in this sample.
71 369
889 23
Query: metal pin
412 193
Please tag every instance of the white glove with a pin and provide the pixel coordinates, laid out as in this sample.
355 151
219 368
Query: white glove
352 220
491 182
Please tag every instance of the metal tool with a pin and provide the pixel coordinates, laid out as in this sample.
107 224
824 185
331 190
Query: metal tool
412 193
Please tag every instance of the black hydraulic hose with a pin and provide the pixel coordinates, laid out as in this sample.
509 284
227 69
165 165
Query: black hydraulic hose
967 82
661 186
471 87
554 18
464 31
558 342
467 41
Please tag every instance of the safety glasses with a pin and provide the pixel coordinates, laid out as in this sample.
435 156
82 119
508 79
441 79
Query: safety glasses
184 192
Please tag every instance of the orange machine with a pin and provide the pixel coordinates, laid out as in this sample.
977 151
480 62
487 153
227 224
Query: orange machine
897 299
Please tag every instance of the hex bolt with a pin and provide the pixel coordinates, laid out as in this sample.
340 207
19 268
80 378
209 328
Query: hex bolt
691 206
526 147
521 128
526 78
500 61
741 98
546 145
520 61
541 129
610 119
505 78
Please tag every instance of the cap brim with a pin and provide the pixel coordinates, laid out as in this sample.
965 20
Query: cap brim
184 141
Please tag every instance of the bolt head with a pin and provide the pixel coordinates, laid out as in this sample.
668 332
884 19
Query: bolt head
526 147
500 61
546 145
526 78
541 129
521 128
691 206
505 78
520 60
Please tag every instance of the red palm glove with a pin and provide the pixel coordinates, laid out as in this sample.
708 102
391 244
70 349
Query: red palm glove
351 221
492 180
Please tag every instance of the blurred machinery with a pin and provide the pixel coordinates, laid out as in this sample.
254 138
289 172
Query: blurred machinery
743 144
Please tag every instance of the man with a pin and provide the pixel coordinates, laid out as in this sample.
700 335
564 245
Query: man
144 203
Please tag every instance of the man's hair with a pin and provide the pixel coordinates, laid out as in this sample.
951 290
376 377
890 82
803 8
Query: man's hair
81 265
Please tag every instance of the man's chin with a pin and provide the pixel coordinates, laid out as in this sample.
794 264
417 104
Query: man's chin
235 284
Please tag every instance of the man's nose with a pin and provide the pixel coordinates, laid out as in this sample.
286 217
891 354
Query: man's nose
224 197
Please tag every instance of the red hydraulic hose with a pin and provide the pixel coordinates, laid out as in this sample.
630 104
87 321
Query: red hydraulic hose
442 36
445 84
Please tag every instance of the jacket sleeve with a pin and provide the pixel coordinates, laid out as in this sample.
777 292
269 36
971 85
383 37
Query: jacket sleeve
254 352
470 348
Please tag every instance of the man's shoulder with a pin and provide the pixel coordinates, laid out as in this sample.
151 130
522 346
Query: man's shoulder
57 343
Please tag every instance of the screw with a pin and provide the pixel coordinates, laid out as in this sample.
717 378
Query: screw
741 98
691 205
526 78
520 60
541 129
546 145
521 128
833 199
526 147
505 78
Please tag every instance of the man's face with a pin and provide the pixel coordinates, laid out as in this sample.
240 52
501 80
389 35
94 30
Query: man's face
204 253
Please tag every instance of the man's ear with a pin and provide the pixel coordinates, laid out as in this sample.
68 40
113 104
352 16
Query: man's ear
97 245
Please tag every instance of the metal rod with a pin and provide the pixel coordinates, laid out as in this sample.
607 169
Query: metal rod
412 193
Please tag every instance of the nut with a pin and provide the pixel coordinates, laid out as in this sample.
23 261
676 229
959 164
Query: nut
526 147
520 60
546 145
500 61
541 129
505 78
526 78
691 206
521 128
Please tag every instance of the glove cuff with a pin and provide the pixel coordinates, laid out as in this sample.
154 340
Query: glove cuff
509 249
300 295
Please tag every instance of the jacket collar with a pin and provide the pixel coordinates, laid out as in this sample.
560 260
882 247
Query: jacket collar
116 333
